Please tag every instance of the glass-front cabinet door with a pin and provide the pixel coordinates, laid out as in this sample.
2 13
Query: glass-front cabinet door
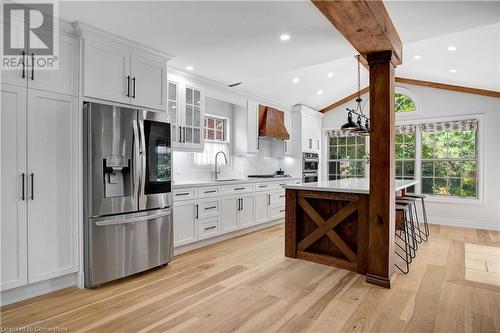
172 98
186 116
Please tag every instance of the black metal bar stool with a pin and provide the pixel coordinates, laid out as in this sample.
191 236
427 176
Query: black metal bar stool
421 236
424 211
403 236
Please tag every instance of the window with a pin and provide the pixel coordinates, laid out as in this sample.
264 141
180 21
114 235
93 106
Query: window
215 129
405 153
347 156
216 136
403 103
449 159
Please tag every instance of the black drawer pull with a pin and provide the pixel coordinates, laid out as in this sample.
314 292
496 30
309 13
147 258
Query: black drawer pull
282 184
282 196
186 193
211 207
211 191
281 211
261 186
239 188
209 228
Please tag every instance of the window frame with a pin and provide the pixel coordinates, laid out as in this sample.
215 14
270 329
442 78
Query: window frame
407 92
479 200
225 131
338 160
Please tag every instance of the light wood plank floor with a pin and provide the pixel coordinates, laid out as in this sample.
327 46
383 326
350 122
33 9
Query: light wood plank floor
247 285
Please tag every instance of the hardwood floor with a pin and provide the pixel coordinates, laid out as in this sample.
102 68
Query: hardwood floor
247 285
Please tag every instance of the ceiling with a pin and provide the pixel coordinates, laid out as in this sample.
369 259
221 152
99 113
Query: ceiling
239 41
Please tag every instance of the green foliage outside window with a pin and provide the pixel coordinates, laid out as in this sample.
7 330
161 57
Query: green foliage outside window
449 165
405 157
346 157
403 103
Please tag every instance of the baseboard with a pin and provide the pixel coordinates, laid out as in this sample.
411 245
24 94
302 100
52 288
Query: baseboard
209 241
36 289
463 223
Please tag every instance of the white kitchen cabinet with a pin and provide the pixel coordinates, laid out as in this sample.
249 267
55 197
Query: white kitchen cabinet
288 144
261 204
53 180
187 112
39 185
185 222
246 214
173 100
106 72
63 80
116 70
229 213
306 130
148 83
246 134
13 209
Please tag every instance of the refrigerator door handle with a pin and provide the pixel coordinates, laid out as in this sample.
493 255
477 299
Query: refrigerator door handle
123 219
136 157
142 156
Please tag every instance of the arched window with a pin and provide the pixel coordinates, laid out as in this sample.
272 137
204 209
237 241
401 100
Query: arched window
403 103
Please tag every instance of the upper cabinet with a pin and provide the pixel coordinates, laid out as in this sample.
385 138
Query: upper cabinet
62 79
246 134
187 115
117 70
306 130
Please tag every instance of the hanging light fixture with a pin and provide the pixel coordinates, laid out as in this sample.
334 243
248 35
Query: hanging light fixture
357 127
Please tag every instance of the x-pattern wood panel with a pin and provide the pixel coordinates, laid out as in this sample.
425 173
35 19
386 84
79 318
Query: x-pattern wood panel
326 227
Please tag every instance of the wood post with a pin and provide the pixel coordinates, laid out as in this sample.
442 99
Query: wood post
381 225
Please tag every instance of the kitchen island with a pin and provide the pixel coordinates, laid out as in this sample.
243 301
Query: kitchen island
327 222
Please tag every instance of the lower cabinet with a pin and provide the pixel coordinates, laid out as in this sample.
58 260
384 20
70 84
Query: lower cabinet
261 203
246 214
208 227
185 222
229 213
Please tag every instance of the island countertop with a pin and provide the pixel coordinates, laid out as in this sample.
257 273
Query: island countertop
349 185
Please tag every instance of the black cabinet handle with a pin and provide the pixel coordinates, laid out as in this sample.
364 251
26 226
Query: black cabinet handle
268 199
185 193
22 184
196 210
133 80
286 147
23 74
32 66
128 85
242 204
262 186
211 207
281 211
211 191
282 196
209 228
184 133
32 186
239 188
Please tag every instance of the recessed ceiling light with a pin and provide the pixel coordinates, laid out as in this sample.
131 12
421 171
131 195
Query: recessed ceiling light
295 80
330 74
417 57
190 68
453 70
452 48
320 92
285 37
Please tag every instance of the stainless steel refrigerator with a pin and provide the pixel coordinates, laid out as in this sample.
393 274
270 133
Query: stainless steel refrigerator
127 192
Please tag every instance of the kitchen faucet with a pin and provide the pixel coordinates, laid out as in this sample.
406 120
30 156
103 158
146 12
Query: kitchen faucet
225 158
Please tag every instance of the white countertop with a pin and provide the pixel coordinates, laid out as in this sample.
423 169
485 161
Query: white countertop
211 182
349 185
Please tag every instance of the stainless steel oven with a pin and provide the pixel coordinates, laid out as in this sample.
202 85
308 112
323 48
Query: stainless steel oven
310 167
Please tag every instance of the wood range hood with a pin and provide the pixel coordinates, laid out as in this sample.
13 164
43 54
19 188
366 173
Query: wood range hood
272 124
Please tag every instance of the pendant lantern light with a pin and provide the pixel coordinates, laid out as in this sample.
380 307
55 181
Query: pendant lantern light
350 125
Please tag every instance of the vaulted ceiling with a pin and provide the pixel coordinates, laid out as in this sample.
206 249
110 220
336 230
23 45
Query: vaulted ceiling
239 41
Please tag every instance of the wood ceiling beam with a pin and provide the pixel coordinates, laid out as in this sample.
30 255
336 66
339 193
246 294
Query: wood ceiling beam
365 24
437 85
429 84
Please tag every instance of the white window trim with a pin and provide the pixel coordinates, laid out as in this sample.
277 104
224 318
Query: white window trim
407 92
480 135
210 167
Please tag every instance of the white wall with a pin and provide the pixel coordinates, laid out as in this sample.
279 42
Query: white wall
435 104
